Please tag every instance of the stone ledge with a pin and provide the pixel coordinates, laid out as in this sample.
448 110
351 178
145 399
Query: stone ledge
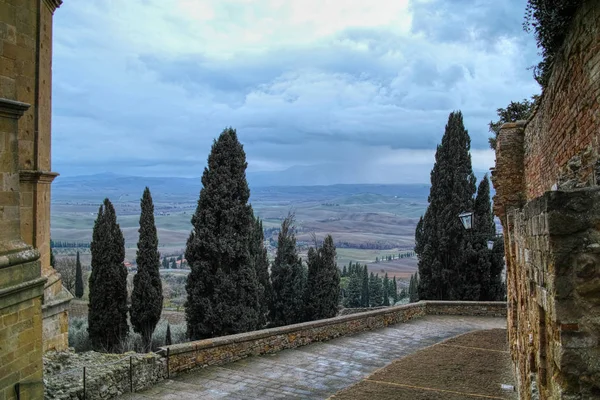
37 176
12 108
494 309
57 305
19 253
53 4
22 292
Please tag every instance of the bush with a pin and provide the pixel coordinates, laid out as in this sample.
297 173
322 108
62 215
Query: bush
178 334
79 340
78 334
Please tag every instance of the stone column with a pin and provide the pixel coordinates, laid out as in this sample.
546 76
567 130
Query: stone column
21 284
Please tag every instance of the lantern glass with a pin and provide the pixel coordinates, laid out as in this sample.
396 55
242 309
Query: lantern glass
490 244
466 219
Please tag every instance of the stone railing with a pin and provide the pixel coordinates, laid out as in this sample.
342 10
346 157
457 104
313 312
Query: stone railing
226 349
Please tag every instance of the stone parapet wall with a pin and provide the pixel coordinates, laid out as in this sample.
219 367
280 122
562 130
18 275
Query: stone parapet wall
226 349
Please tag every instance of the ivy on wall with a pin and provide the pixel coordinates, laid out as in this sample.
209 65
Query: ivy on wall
550 20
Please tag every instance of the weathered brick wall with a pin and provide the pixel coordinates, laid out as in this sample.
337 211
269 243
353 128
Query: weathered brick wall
561 140
551 228
225 349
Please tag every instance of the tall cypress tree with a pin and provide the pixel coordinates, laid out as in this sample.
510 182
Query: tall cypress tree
375 291
353 299
107 308
52 259
489 263
365 287
386 290
222 287
78 278
288 278
323 282
261 265
395 290
440 241
146 298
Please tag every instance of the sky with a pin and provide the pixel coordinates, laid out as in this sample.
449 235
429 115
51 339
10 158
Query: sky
357 91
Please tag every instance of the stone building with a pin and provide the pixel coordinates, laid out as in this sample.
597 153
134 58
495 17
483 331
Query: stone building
33 302
548 198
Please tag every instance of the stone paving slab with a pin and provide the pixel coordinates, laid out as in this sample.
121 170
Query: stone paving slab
318 370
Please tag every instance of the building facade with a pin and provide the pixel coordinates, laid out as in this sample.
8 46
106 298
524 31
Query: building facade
33 302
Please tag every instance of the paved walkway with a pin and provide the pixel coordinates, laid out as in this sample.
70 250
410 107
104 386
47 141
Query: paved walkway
316 371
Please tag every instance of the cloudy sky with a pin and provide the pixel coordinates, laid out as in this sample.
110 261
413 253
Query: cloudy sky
356 88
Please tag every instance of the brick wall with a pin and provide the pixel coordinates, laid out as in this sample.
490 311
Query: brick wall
547 198
561 140
225 349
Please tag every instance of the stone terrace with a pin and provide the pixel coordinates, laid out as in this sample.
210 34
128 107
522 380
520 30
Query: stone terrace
318 370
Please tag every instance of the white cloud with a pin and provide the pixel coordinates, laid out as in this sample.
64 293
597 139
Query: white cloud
144 86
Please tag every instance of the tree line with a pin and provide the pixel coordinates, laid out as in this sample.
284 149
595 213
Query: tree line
367 289
453 263
231 287
68 244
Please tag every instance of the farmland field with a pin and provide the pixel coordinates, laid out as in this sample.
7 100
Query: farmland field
367 222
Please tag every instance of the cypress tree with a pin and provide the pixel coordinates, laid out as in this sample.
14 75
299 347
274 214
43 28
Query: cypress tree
353 299
107 308
365 286
489 263
78 278
323 282
344 271
52 259
413 292
288 278
386 290
146 298
261 265
168 340
222 287
440 237
395 290
375 291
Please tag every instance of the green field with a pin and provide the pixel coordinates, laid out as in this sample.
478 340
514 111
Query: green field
379 218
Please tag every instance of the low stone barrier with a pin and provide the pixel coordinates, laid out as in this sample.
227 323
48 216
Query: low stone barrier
226 349
99 376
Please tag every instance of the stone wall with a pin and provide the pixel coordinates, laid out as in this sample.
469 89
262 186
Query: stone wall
107 376
226 349
546 179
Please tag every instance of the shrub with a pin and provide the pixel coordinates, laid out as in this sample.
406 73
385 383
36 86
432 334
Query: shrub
78 334
79 340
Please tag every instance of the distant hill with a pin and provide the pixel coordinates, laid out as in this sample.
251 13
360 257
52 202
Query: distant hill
95 188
